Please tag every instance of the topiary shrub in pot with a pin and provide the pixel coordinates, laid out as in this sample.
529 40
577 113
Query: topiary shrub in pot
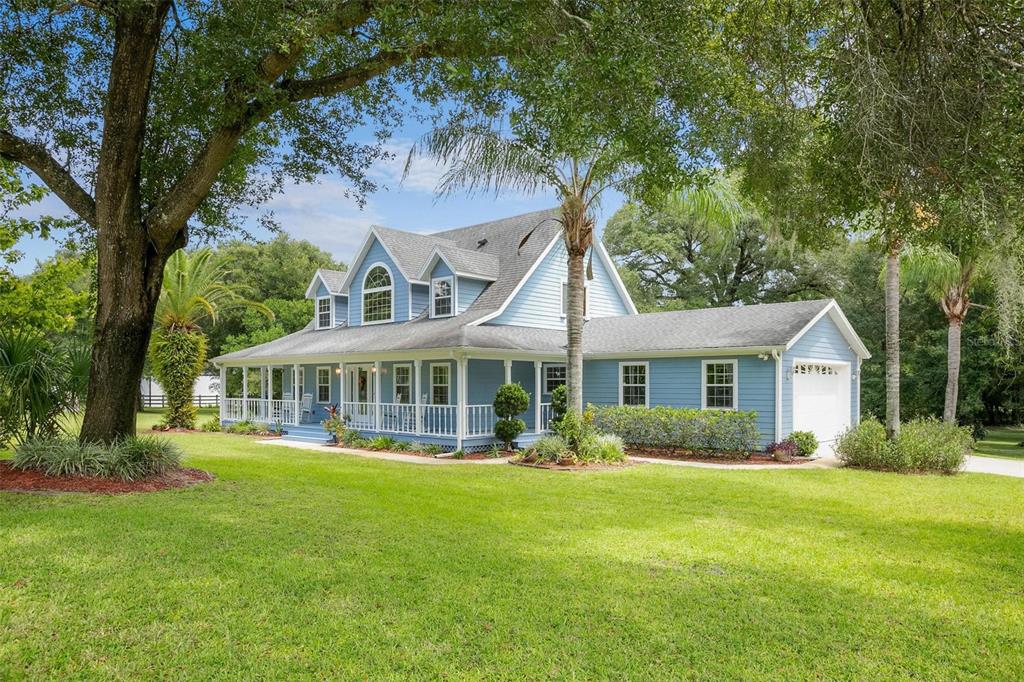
509 402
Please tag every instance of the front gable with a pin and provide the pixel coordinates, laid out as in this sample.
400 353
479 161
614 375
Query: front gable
373 256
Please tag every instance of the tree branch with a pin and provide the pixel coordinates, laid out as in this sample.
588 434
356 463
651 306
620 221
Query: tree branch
36 158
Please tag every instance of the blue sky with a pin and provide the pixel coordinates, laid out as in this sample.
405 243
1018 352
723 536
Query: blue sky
320 212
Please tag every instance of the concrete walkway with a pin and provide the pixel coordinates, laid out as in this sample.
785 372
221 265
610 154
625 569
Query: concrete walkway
995 465
370 454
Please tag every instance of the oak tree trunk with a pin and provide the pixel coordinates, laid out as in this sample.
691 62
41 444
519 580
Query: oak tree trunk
892 343
952 371
574 327
129 263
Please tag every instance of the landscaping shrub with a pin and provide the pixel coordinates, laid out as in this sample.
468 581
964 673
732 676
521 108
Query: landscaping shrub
381 443
433 449
416 446
577 430
336 423
352 439
784 450
177 356
805 441
510 401
559 403
212 425
924 445
130 459
679 428
248 428
552 448
609 448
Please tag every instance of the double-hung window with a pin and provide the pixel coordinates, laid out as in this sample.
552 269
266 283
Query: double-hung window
403 384
442 296
633 378
718 385
323 312
440 381
323 384
554 376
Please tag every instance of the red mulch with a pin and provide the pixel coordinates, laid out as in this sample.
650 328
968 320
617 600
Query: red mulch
554 466
696 456
16 480
420 453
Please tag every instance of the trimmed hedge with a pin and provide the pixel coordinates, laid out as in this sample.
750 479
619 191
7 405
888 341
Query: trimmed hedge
679 428
923 446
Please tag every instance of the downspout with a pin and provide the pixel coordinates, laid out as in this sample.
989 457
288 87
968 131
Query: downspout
778 395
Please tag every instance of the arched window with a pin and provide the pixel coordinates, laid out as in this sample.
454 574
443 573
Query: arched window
377 295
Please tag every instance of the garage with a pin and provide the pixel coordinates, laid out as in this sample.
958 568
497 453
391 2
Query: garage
821 398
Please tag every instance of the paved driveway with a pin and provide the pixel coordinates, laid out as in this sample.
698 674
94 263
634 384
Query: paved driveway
995 465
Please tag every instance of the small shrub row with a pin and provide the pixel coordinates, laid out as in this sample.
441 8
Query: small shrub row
248 428
129 459
923 446
679 428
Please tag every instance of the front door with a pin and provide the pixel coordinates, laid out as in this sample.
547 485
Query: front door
360 396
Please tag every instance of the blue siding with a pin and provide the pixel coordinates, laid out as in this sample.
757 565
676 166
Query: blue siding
441 269
420 299
400 300
539 302
823 341
676 382
522 374
340 310
468 290
485 376
321 290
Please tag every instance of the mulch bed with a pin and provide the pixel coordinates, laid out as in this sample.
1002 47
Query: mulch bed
713 458
552 466
16 480
427 455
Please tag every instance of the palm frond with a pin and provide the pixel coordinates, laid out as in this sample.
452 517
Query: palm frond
935 269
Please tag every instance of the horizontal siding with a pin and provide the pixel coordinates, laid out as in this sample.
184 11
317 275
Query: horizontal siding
823 341
469 290
539 302
400 294
340 310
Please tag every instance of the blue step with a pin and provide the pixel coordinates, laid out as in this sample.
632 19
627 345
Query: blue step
319 440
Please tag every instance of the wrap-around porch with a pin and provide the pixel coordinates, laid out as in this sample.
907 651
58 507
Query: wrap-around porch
445 400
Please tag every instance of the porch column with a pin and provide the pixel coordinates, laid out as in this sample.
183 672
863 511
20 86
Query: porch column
341 383
376 395
296 394
245 392
417 381
537 426
461 366
270 382
508 371
222 393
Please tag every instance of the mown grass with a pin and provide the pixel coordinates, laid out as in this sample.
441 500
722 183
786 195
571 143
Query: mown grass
297 563
1002 442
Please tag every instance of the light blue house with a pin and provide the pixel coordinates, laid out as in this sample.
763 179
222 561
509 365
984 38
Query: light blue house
414 340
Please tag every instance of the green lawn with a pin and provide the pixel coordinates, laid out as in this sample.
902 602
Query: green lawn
296 563
1002 442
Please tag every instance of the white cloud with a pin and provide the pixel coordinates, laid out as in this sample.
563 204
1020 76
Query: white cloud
424 173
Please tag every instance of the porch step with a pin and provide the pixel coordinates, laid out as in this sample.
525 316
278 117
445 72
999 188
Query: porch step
322 439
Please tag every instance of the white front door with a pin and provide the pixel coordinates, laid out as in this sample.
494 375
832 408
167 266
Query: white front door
360 388
821 398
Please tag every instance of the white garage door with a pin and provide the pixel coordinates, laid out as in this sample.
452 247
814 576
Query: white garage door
821 398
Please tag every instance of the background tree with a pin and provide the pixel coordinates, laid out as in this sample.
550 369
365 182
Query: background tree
194 290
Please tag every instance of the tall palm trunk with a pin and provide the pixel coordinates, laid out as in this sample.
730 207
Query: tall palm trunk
952 371
574 327
892 340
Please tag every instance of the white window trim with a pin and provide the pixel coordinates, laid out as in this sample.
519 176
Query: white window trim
647 381
547 387
735 384
330 388
395 384
302 382
448 369
562 301
451 279
362 294
330 310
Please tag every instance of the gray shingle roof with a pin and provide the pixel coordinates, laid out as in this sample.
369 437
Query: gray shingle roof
410 250
473 263
753 326
333 278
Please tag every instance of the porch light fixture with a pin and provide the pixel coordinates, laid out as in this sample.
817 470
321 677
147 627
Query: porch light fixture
337 370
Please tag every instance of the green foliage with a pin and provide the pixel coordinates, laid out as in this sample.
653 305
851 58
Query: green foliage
176 357
211 425
41 383
433 449
559 403
381 443
56 298
923 446
577 430
458 454
248 428
680 428
550 448
609 448
510 401
806 442
130 459
352 439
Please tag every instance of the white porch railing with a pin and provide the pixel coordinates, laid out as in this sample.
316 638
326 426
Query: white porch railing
398 418
480 420
260 410
439 420
546 413
360 416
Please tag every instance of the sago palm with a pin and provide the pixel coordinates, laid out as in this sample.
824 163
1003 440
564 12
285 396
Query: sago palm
194 291
481 159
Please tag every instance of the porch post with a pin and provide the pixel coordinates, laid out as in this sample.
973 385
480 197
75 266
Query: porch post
222 393
537 426
460 410
341 382
376 395
270 383
417 381
508 371
296 394
245 392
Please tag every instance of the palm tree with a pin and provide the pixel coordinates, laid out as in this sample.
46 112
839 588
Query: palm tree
194 291
481 159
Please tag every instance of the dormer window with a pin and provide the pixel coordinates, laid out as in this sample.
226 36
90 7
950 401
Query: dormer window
377 295
323 312
442 296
